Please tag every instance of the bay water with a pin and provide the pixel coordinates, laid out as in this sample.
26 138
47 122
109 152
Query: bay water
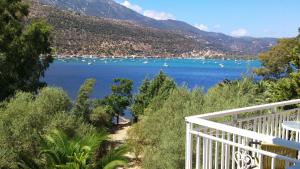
69 74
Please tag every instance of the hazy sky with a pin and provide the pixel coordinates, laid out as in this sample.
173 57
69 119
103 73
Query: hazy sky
259 18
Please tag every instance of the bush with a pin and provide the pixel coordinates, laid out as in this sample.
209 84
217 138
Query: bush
160 133
160 86
101 116
51 100
282 89
25 118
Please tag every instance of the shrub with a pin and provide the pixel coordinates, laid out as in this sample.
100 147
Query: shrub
160 133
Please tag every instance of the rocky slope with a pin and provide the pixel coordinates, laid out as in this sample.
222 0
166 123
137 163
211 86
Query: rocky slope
111 9
78 34
86 27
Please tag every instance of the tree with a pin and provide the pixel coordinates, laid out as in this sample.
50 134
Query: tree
25 51
281 60
159 86
120 97
26 117
286 88
82 105
101 116
163 146
141 100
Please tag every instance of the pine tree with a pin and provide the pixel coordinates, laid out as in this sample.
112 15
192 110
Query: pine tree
25 51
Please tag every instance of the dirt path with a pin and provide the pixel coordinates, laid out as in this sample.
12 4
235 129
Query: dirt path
119 136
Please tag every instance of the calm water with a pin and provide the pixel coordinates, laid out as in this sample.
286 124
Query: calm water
70 74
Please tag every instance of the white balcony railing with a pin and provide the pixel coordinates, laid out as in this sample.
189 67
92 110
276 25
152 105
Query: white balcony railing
244 138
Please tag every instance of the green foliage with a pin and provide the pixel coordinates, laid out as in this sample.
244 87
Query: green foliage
281 60
160 133
283 89
100 112
233 94
62 151
280 68
164 141
25 51
114 158
134 140
101 116
69 124
159 86
26 117
27 121
120 97
20 127
52 100
142 99
82 106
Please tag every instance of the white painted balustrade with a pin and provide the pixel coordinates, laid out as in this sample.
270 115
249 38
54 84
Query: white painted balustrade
244 138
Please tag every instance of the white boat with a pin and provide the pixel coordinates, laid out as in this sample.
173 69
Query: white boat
166 65
221 65
89 63
145 62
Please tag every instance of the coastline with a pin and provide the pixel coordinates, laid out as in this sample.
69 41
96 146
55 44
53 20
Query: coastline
225 57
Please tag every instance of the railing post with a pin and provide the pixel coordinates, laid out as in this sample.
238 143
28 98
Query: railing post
198 152
189 146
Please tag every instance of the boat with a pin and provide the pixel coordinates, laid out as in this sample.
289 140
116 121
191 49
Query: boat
221 65
166 65
145 62
89 63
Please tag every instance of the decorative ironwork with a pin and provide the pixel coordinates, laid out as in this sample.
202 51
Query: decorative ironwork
248 125
243 159
293 116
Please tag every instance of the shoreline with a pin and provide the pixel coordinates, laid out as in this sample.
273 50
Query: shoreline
226 57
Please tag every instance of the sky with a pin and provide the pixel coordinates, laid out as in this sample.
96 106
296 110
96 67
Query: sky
257 18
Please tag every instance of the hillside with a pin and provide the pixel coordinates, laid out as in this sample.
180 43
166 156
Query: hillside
112 10
77 34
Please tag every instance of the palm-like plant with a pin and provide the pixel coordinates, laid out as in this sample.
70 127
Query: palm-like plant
113 159
62 152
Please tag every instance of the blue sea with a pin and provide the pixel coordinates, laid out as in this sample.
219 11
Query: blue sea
69 74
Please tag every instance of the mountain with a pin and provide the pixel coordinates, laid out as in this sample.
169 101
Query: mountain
204 41
77 34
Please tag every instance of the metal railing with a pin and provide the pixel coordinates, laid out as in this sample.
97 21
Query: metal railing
250 137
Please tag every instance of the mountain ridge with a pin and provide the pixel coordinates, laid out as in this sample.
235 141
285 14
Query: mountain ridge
217 42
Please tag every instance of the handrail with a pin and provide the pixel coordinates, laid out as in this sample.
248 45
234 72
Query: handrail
246 109
206 121
244 133
266 153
